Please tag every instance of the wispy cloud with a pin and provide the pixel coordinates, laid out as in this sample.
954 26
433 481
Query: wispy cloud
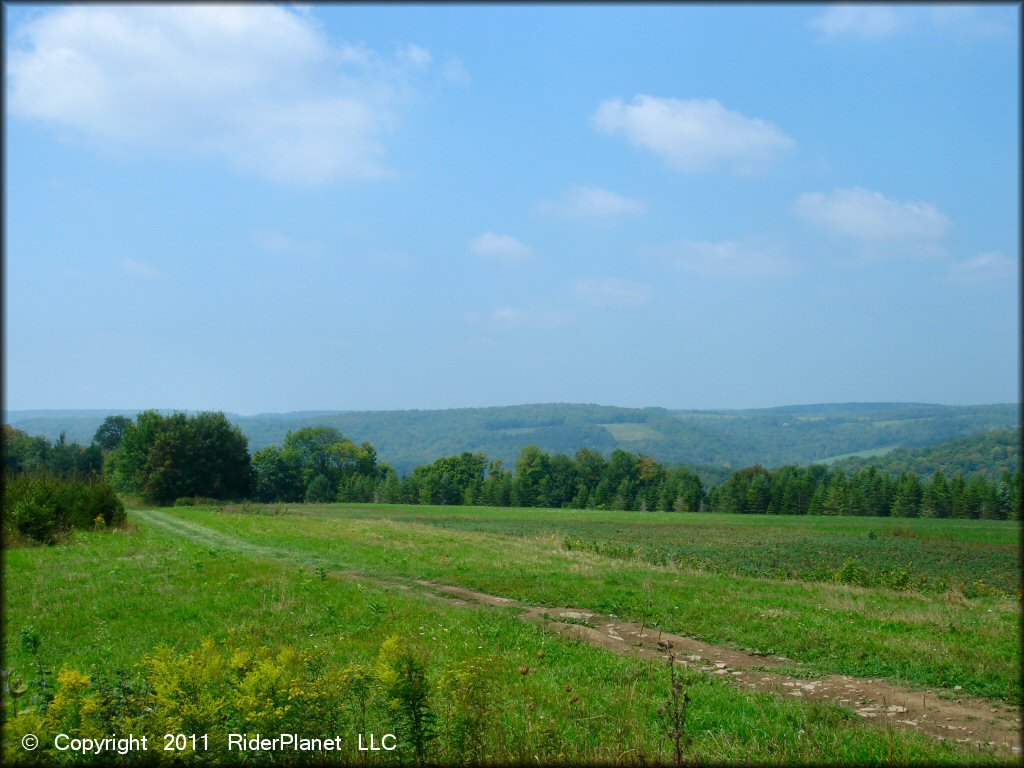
865 22
611 291
500 247
865 215
984 268
531 318
727 258
415 56
694 135
591 202
873 23
141 269
455 72
257 86
272 241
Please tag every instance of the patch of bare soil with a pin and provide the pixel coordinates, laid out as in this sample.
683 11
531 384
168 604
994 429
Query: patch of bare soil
965 720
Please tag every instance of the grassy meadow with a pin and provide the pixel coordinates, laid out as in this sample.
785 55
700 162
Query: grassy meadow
206 614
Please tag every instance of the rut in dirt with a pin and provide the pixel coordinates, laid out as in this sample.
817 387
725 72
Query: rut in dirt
965 720
984 724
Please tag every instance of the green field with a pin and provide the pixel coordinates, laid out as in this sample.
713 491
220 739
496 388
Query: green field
870 453
334 582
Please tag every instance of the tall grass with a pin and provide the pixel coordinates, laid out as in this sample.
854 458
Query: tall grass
215 639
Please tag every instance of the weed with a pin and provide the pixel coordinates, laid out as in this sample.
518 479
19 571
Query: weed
402 675
471 694
15 688
31 642
357 683
672 714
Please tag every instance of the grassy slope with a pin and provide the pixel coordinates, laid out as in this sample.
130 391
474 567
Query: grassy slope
104 600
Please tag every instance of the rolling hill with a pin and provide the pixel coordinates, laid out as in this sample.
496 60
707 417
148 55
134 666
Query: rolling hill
989 454
800 434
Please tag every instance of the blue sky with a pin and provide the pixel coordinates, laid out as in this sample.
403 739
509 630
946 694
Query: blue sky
274 208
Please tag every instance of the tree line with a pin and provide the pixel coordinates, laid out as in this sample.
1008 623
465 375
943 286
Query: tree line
26 454
819 490
165 458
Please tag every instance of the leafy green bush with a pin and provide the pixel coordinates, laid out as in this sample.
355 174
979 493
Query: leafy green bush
42 507
901 577
853 572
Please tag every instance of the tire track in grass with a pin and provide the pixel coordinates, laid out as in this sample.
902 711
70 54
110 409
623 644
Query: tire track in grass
964 720
213 538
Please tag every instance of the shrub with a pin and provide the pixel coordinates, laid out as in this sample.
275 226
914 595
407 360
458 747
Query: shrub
900 578
43 506
197 501
853 572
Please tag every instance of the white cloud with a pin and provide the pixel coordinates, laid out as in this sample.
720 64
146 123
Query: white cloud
865 22
138 268
611 291
455 72
989 267
866 215
258 86
872 23
589 202
416 56
275 242
694 135
534 318
503 247
727 258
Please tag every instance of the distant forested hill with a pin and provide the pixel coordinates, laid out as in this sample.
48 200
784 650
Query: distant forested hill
989 454
772 437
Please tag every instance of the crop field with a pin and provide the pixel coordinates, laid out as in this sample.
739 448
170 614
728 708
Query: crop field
525 635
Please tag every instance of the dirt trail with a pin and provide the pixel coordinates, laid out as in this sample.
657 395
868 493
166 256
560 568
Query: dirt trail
966 720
